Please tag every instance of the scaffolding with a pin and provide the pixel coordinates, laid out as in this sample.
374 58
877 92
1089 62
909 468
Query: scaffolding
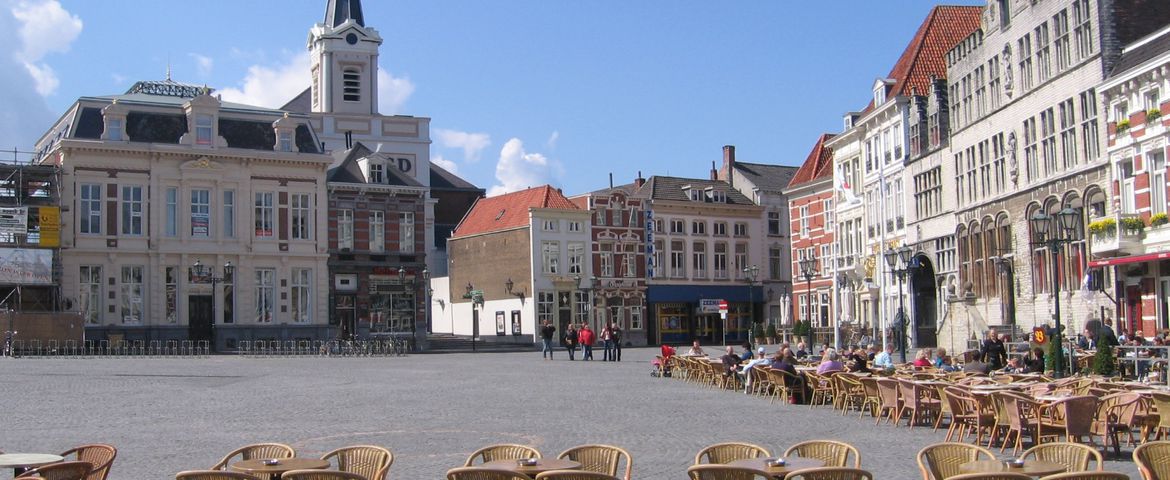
26 187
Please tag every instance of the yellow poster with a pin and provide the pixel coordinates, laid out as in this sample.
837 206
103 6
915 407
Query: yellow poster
50 220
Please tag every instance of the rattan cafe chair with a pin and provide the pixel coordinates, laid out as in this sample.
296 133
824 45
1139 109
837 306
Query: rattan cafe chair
829 473
941 461
729 452
60 471
991 476
1087 476
213 475
481 473
501 451
1153 460
1075 457
575 475
600 459
711 471
832 452
314 474
256 450
371 461
99 454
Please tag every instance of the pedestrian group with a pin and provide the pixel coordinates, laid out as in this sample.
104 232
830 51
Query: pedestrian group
584 337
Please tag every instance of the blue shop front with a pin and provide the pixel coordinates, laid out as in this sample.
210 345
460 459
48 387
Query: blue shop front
681 314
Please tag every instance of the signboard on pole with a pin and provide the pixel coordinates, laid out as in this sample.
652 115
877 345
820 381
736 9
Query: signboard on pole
14 220
709 305
723 307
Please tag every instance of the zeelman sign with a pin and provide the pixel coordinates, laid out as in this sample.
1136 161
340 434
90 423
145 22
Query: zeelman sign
710 305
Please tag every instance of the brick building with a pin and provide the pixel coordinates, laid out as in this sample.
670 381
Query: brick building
810 208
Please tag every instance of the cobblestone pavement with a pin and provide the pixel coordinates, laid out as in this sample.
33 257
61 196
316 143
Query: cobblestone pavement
167 415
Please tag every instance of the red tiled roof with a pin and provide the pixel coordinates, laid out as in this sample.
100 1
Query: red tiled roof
925 56
510 210
819 163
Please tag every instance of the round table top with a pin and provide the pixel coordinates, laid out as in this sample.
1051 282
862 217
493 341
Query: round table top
542 465
27 460
1035 468
256 465
790 464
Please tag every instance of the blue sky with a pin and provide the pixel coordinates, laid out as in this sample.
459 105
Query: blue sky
520 92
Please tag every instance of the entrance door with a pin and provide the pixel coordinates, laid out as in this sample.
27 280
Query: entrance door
200 319
924 293
346 315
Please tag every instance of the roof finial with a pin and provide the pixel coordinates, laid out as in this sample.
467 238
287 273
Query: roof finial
168 67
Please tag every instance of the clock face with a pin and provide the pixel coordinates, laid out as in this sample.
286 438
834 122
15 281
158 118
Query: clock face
351 39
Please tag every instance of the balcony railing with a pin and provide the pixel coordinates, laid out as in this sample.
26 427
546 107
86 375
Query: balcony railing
1109 235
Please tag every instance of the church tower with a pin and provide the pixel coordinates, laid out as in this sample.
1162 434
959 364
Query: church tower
344 59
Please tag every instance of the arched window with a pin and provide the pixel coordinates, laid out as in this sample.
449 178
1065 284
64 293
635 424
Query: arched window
990 249
977 258
964 256
351 84
1073 256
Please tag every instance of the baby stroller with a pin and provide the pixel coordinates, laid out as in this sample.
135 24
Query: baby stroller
661 363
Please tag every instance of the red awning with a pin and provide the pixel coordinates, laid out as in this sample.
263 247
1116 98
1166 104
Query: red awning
1148 257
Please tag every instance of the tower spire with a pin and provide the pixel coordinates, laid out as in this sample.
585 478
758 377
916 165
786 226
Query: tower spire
338 11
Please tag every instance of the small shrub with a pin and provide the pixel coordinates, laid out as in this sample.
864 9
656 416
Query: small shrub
1103 226
1133 223
1158 219
1122 125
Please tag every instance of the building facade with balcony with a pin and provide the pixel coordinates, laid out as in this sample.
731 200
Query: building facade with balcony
811 210
617 252
765 184
1027 134
1131 244
165 176
702 246
516 261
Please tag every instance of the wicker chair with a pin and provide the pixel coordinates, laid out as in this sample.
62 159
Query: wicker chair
481 473
1074 456
1071 418
1021 415
829 473
789 385
873 400
1161 402
725 472
729 452
1153 460
850 392
372 462
60 471
213 475
501 451
941 460
822 389
1087 476
320 475
832 452
990 476
575 475
256 450
1115 415
922 402
99 454
600 459
891 404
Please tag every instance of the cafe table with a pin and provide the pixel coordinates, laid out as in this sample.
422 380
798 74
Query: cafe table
1034 468
22 462
790 464
542 465
274 467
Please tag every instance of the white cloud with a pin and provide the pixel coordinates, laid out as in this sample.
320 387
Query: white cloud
445 164
552 139
203 64
25 115
43 27
471 143
271 87
392 92
518 169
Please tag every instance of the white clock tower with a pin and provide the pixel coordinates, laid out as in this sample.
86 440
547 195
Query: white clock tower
344 56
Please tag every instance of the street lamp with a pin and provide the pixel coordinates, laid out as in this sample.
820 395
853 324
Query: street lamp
808 270
899 263
751 273
428 291
202 271
1066 221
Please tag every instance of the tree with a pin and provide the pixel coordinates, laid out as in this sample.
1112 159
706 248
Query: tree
1104 362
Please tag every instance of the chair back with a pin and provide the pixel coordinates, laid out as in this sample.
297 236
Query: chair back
60 471
1078 412
1153 460
832 452
829 473
371 461
575 475
213 475
888 392
1074 456
1021 410
600 459
99 454
1088 476
256 450
941 460
712 471
501 451
1161 402
321 475
991 476
481 473
730 452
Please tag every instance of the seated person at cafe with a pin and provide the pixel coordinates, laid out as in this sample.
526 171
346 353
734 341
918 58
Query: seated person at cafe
857 361
801 351
730 361
884 360
746 354
976 365
1015 365
695 351
1034 363
831 363
922 359
787 363
761 359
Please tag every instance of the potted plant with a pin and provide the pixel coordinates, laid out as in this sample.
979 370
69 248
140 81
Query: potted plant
770 332
1153 114
1159 219
1104 226
802 329
1122 125
1133 224
758 332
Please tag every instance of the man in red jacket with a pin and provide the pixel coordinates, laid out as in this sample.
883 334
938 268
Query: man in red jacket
585 337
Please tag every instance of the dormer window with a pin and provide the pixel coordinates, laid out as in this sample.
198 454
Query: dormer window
716 196
203 129
377 174
694 194
114 129
285 141
879 95
351 80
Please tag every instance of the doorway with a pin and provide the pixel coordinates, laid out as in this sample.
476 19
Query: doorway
924 294
200 319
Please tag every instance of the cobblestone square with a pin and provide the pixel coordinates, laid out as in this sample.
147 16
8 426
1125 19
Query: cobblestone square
168 415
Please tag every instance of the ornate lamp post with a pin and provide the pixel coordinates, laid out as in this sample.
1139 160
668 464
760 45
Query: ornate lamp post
752 273
899 263
808 270
1067 232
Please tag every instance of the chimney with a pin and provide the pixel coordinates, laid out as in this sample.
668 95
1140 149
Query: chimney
638 182
728 164
611 180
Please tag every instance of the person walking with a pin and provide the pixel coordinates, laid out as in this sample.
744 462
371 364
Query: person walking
606 342
993 352
571 340
546 336
615 334
585 337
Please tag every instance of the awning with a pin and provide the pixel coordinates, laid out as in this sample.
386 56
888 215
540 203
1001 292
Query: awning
1147 257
